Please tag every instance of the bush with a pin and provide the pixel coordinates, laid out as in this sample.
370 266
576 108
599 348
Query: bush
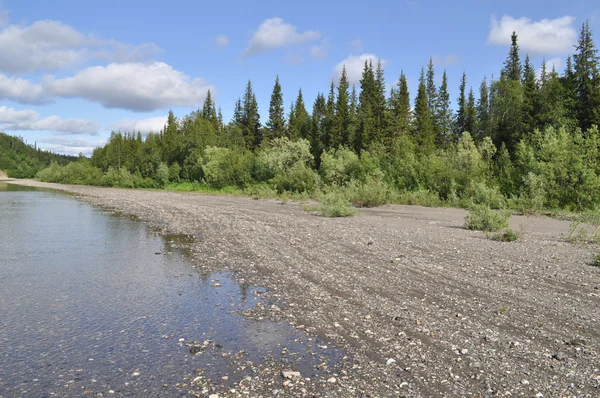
334 204
339 166
508 235
421 197
483 218
597 260
373 192
533 193
162 174
299 178
280 157
260 191
223 166
481 194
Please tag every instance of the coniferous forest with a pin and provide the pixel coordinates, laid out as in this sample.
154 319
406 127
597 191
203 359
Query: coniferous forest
521 140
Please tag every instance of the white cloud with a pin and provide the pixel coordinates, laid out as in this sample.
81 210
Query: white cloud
11 119
547 36
294 60
357 44
550 63
354 66
318 52
445 60
275 33
52 45
70 146
222 41
134 86
145 126
21 90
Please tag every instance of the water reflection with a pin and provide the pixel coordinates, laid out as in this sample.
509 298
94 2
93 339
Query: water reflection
89 306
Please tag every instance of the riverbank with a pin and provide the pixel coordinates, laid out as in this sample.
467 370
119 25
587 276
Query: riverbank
423 306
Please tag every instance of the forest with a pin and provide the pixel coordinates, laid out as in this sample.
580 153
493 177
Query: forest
20 160
528 141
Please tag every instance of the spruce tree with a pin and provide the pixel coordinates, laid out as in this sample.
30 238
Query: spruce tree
483 111
461 117
302 120
251 119
342 113
291 119
587 79
432 100
423 128
366 112
471 114
530 107
316 129
276 122
208 109
353 118
512 65
380 105
443 118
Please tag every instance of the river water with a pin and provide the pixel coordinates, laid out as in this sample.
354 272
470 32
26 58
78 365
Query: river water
92 303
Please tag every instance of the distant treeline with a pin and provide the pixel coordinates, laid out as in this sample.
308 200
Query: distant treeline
526 141
20 160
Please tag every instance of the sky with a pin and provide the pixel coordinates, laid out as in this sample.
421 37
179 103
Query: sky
72 71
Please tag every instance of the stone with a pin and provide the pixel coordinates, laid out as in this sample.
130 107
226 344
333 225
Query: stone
390 361
332 380
288 374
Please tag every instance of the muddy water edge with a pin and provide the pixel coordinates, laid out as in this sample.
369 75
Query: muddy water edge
95 304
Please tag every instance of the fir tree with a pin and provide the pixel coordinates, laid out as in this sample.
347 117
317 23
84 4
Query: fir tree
443 116
461 118
587 79
208 109
471 114
251 119
483 111
316 130
432 100
366 113
530 106
302 121
276 122
424 134
512 65
342 113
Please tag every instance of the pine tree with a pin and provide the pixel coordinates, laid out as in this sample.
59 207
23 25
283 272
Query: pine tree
276 122
353 118
424 134
380 105
471 114
461 117
432 95
291 119
208 109
342 113
328 132
238 113
530 107
316 129
443 117
366 111
587 79
302 121
483 111
512 65
251 119
170 141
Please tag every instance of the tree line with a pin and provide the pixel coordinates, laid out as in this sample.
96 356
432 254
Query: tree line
526 138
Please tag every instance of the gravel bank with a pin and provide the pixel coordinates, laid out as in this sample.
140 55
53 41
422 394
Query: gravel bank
424 307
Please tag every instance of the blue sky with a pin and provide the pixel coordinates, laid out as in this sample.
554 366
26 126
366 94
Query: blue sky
72 71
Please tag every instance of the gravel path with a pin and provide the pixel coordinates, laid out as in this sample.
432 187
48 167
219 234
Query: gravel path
424 307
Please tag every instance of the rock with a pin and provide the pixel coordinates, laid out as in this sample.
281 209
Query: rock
135 374
213 396
332 380
560 356
464 351
225 378
288 374
390 361
525 382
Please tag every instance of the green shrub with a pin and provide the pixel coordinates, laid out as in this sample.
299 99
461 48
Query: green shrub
223 166
299 178
508 235
483 218
280 157
533 193
334 204
339 166
373 192
260 191
162 174
420 197
481 194
174 172
597 260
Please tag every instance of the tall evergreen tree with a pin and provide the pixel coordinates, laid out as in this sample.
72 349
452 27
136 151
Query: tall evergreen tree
461 116
208 109
587 79
530 106
302 120
319 114
366 109
400 108
251 119
483 111
471 114
512 65
276 122
353 118
432 101
424 134
443 116
342 113
380 104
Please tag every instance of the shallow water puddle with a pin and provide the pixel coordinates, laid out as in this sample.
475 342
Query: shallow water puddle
93 303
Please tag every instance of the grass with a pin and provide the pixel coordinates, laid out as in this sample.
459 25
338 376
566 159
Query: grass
597 260
502 309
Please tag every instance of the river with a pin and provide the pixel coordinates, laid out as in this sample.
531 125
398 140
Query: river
95 304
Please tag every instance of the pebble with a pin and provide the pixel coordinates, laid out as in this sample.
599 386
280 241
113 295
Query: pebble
332 380
390 361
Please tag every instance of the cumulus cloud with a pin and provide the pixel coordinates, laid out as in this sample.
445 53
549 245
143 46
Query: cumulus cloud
21 90
52 45
145 126
354 66
445 60
134 86
70 146
222 41
11 119
275 33
554 62
547 36
357 44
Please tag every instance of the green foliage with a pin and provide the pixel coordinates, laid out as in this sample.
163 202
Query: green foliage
483 218
339 166
370 193
420 197
299 178
281 156
597 260
508 235
260 191
162 174
335 204
223 166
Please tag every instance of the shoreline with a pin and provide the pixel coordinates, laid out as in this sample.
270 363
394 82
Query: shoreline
425 307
